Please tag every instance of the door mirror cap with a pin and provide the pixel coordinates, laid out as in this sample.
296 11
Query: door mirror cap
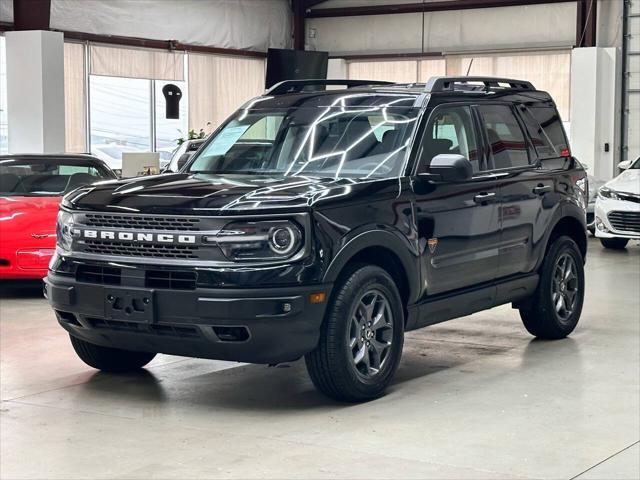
451 167
624 165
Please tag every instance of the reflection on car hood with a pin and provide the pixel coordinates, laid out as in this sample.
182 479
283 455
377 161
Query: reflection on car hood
628 181
208 193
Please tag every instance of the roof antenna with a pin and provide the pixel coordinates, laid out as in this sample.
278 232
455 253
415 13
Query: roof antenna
469 69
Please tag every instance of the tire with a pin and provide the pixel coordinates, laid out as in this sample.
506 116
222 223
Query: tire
110 359
554 309
614 243
343 365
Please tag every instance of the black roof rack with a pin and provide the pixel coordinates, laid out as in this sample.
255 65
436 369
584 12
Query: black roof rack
444 84
294 86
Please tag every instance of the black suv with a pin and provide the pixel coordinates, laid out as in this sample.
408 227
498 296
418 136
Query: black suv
325 223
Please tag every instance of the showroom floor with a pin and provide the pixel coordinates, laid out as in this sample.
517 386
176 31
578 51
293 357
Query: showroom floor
473 398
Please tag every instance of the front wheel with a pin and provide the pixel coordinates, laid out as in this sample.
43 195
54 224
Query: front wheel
110 359
554 309
614 243
361 339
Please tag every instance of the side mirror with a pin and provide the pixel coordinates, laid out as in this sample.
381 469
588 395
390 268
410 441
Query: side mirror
624 165
451 168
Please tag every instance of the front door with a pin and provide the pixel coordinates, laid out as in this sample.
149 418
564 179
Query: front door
458 223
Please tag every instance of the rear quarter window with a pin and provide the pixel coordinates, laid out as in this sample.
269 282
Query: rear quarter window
544 126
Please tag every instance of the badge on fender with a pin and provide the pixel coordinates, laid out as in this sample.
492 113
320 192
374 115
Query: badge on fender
433 243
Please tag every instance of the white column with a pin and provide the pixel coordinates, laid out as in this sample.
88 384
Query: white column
337 69
35 91
593 109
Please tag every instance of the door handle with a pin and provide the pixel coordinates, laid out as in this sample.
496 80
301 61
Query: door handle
484 197
542 189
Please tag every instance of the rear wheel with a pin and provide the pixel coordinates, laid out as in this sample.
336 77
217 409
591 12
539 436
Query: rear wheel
614 243
110 359
361 339
554 309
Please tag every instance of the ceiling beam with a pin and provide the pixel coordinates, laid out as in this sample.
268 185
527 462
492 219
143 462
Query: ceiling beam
440 6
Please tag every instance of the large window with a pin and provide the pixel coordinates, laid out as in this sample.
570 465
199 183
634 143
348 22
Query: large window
120 114
122 111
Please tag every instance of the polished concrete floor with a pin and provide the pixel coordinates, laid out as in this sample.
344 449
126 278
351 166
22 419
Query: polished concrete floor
473 398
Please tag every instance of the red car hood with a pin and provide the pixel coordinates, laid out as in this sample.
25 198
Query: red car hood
28 221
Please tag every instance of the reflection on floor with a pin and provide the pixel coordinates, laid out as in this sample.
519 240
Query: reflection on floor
473 398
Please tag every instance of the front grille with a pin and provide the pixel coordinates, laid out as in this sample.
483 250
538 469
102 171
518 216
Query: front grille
171 279
99 274
149 250
141 222
154 329
625 221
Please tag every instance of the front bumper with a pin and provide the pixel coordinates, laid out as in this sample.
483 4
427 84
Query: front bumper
264 325
617 218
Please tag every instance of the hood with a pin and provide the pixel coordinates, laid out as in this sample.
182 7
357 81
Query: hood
628 181
215 194
28 218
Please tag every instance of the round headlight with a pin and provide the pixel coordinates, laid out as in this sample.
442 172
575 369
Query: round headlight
282 239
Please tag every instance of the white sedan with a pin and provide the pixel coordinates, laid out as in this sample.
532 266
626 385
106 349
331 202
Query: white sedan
617 210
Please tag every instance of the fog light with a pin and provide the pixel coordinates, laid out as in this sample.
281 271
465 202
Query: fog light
600 225
317 297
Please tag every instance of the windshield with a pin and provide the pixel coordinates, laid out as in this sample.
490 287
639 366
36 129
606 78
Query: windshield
47 177
365 142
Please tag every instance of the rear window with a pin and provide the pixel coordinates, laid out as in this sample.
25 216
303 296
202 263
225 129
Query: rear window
545 129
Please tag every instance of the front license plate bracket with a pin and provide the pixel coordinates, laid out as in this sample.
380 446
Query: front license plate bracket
131 305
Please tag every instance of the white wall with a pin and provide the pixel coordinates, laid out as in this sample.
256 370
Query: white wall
239 24
551 25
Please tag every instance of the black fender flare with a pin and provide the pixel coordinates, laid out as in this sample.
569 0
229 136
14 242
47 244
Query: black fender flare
395 242
566 210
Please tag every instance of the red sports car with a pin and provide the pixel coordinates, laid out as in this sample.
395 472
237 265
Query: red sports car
31 187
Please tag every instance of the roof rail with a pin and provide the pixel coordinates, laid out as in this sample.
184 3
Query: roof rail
294 86
443 84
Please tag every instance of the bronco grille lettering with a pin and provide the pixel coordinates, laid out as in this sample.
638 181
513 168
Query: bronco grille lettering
133 236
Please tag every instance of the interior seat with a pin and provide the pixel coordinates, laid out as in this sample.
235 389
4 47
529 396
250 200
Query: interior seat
78 180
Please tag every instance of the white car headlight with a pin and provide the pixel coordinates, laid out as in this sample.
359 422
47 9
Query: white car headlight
606 192
64 234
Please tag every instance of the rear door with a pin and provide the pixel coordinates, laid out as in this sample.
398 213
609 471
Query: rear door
522 187
458 223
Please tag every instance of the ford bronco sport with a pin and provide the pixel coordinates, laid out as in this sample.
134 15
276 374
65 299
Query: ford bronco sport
325 223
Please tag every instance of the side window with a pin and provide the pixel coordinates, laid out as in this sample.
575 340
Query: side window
506 140
545 129
450 130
